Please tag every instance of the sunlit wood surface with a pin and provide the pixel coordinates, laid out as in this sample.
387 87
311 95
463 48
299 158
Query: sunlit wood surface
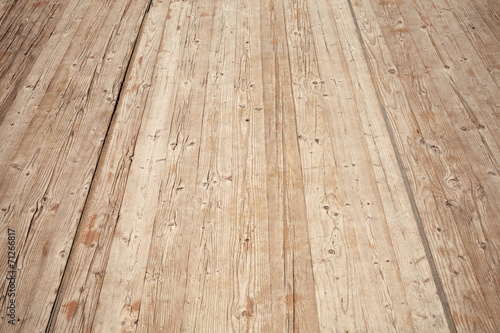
250 165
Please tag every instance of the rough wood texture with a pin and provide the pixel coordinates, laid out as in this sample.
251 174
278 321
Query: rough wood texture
61 98
251 166
450 156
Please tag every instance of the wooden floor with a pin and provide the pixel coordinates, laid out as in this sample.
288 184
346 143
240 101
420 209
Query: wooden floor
250 165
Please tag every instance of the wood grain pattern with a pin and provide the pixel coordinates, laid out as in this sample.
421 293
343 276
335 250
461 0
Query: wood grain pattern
83 278
284 156
441 136
47 168
339 90
251 166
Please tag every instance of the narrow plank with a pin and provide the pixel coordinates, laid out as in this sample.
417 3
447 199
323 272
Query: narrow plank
358 208
282 299
427 118
184 241
227 287
212 291
43 195
254 302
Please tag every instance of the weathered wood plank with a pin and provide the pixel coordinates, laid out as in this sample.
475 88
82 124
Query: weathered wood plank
48 168
286 188
478 33
173 123
230 291
24 32
356 198
86 268
442 146
282 299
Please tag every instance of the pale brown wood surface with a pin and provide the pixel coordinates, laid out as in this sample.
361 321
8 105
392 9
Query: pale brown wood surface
446 128
60 88
251 166
373 241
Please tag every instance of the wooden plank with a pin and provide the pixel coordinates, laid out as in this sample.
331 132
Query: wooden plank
173 124
211 267
286 188
253 303
24 30
282 298
45 184
19 109
5 7
226 289
86 268
471 25
442 145
361 219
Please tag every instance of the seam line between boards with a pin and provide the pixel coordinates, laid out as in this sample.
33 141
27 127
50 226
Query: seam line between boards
423 237
56 305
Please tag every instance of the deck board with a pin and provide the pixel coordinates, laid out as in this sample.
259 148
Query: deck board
238 165
454 166
444 161
51 149
369 235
